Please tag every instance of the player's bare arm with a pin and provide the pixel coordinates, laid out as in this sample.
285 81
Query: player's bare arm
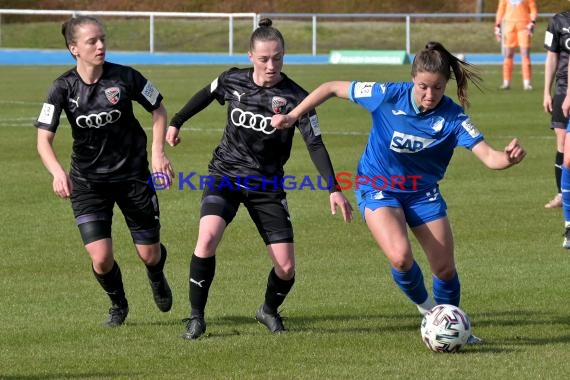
61 183
314 99
160 162
498 160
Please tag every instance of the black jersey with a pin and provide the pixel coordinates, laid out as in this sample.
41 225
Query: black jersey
250 146
557 40
109 143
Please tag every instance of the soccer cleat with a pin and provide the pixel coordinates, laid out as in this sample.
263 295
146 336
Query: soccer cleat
117 315
505 87
474 340
566 242
527 87
272 321
426 306
554 202
195 327
161 293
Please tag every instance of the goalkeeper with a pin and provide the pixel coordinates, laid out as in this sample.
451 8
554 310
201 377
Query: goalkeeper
514 25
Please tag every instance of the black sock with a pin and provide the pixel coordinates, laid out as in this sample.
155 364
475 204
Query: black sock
277 290
154 272
112 283
558 169
202 272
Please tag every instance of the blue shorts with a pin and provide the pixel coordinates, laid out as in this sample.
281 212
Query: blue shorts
420 207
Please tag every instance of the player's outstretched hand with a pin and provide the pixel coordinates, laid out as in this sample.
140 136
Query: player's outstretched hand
515 152
338 199
172 137
282 121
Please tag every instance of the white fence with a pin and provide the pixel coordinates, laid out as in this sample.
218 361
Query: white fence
151 17
475 28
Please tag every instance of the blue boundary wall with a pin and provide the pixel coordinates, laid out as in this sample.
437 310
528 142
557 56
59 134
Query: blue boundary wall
62 57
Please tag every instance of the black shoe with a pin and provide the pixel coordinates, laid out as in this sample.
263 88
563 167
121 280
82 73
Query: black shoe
195 327
161 293
272 321
117 315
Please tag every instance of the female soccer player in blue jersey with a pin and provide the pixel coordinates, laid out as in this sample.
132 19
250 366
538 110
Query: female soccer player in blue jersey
251 148
415 129
109 161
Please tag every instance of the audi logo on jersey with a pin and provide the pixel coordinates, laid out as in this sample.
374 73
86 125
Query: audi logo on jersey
257 122
98 120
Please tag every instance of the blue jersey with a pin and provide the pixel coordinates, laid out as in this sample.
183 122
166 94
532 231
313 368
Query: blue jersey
408 150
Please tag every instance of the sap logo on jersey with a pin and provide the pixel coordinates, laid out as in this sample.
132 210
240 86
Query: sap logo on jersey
403 143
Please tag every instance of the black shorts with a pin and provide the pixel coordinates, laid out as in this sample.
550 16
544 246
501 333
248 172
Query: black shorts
267 209
558 120
94 202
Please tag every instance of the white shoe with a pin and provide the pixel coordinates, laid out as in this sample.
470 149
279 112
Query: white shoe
527 87
505 87
426 306
566 242
474 340
555 202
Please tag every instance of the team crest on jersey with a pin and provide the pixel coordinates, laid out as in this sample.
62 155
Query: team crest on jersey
113 95
278 104
438 124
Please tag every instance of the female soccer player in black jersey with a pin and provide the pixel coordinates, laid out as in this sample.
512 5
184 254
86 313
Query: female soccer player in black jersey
557 45
109 161
248 167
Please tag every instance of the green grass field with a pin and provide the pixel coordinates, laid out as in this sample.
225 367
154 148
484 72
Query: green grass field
347 320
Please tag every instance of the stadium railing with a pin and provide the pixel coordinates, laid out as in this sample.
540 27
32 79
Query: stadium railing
306 33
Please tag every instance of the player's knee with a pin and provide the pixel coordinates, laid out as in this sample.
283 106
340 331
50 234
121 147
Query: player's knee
445 273
102 264
402 263
206 246
150 254
285 271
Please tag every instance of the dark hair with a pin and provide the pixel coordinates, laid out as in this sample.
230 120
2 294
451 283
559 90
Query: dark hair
69 28
265 32
436 59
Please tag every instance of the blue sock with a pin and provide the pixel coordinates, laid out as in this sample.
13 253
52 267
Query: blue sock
565 187
448 292
411 283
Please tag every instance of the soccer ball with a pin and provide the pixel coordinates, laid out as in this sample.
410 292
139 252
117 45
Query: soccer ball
445 328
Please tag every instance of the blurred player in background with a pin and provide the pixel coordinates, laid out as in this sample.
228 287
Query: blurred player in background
415 129
109 161
561 21
557 44
514 25
251 148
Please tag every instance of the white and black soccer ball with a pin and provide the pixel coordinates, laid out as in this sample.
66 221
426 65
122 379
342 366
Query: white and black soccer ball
445 328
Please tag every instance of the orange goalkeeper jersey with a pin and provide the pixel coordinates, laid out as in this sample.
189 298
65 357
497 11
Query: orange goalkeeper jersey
516 11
